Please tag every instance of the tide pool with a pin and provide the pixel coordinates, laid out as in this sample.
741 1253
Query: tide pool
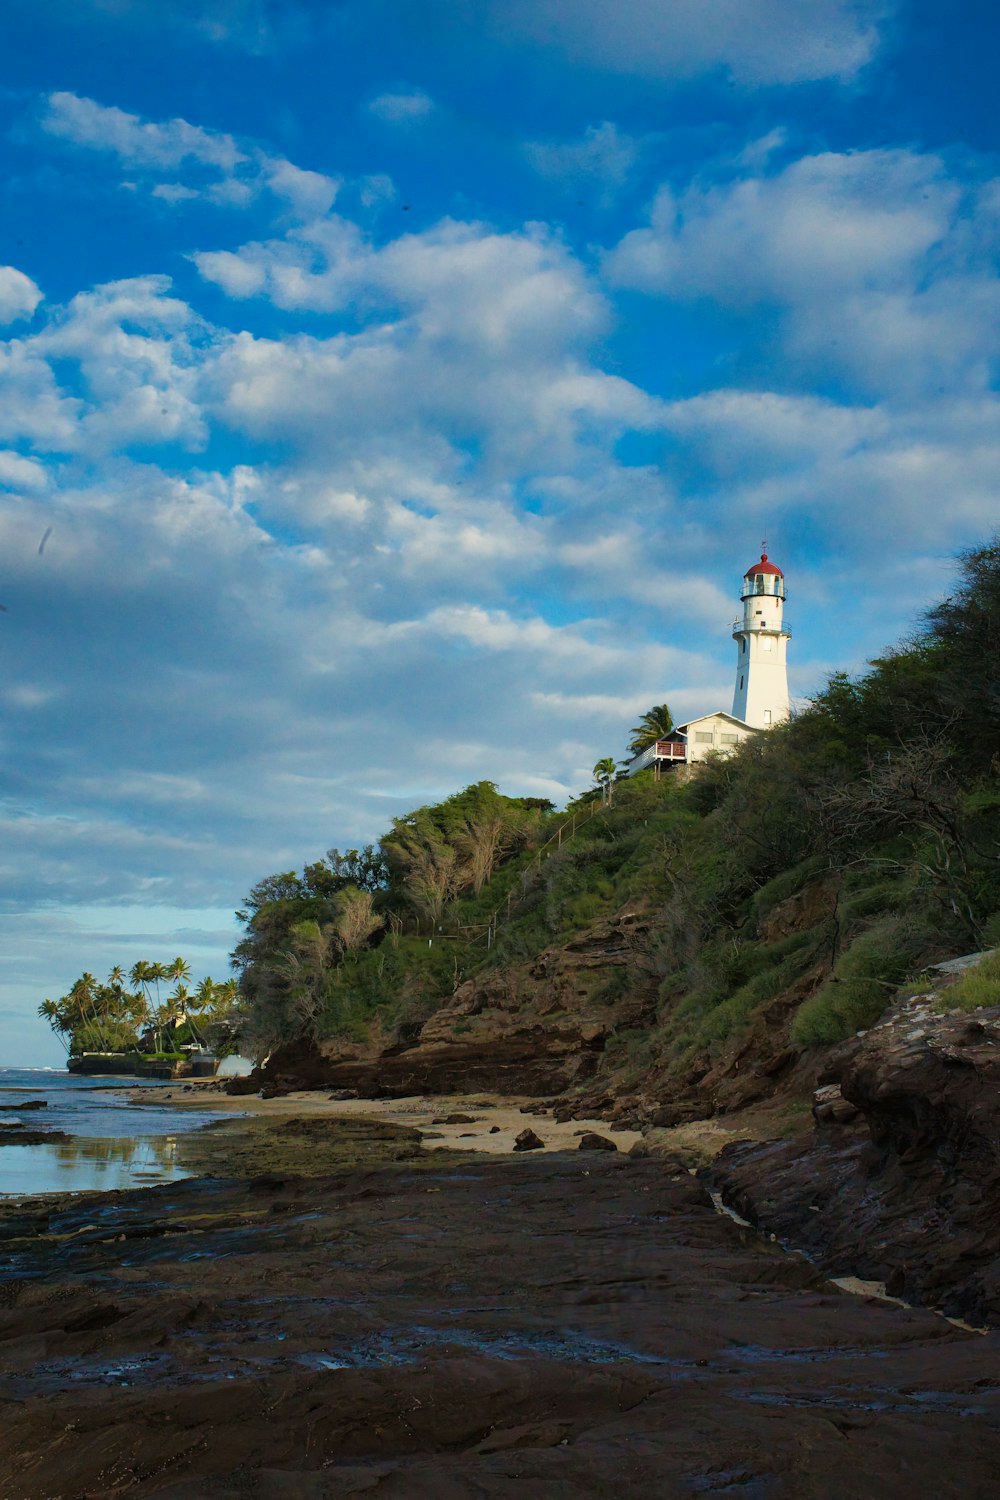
107 1142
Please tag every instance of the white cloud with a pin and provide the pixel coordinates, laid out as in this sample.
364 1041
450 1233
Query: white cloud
871 259
605 156
756 41
137 142
18 473
221 170
19 296
401 106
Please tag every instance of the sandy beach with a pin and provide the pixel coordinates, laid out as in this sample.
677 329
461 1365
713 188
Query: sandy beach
491 1124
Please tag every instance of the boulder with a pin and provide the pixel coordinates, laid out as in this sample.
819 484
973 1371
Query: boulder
528 1141
591 1141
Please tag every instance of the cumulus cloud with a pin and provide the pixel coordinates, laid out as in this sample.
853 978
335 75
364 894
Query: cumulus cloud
137 142
19 473
870 259
756 41
19 296
220 170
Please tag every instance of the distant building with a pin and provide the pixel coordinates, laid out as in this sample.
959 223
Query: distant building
760 697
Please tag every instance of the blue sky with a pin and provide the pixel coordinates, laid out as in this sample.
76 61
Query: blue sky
401 387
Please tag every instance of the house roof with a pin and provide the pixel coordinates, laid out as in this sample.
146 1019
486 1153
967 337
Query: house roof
719 713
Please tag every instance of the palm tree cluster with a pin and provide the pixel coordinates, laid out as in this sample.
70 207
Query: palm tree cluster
128 1012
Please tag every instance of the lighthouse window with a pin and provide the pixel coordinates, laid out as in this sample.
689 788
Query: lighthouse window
761 581
741 681
766 643
767 716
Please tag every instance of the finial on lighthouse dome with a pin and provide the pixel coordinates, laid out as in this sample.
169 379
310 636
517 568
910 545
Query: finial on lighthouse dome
764 566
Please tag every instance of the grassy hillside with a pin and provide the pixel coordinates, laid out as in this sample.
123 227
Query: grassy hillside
812 871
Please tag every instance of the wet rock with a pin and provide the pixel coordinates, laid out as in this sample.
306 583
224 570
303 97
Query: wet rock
455 1119
28 1104
591 1141
339 1095
632 1343
494 1130
20 1135
528 1141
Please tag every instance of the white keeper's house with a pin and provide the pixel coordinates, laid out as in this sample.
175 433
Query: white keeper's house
760 697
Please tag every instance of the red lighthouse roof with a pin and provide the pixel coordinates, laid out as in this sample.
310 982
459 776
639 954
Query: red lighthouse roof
763 567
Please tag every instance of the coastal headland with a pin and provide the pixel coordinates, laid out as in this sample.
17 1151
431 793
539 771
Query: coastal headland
342 1306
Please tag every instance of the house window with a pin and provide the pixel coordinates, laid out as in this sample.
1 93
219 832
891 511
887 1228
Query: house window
730 739
703 736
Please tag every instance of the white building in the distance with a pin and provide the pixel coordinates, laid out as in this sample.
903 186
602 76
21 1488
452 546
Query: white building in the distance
760 697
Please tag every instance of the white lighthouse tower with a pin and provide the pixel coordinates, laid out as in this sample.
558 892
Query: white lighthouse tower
761 636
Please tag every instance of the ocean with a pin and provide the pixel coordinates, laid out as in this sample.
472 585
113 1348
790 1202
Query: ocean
112 1143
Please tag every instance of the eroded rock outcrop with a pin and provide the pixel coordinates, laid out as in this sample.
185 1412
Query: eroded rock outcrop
899 1182
538 1030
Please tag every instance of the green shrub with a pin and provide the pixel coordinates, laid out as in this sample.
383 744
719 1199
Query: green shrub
788 883
862 983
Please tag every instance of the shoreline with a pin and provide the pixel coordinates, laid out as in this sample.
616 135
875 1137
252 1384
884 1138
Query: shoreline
494 1121
426 1325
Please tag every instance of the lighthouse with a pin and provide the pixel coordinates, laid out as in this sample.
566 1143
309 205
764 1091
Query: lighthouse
760 698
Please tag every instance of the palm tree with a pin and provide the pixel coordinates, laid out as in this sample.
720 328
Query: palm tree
141 974
656 724
604 775
52 1011
179 970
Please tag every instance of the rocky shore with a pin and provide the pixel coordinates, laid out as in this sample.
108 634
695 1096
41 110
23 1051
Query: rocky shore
420 1324
899 1181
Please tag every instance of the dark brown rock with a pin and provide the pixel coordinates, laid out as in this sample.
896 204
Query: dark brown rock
831 1108
526 1328
591 1141
905 1190
527 1140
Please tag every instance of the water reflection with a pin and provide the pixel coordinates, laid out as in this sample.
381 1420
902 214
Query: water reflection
87 1163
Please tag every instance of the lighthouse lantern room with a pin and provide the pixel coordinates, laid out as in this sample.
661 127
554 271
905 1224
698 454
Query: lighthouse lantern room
760 698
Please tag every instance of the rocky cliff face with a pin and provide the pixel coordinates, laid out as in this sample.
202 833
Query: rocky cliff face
538 1030
899 1182
549 1028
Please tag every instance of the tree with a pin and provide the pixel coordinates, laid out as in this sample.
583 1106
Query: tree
429 867
604 775
656 724
356 921
481 844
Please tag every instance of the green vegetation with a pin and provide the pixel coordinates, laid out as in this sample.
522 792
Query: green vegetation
798 879
127 1014
979 987
656 724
